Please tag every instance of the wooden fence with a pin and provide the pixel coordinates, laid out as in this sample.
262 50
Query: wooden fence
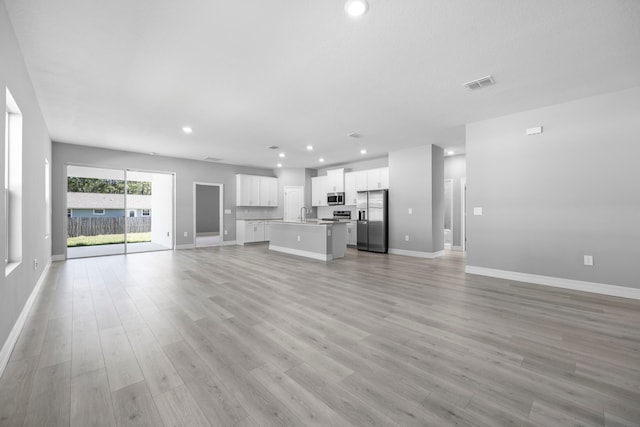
92 226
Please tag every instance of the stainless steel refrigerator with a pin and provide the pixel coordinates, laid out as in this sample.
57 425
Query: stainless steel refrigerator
373 221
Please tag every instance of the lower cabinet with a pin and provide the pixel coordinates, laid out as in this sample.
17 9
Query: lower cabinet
352 233
249 231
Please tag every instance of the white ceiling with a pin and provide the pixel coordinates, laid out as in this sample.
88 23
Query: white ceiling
253 73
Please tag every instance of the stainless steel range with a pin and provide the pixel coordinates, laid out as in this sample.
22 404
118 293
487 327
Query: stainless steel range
339 215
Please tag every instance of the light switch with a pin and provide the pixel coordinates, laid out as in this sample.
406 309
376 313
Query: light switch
588 260
477 211
227 211
410 211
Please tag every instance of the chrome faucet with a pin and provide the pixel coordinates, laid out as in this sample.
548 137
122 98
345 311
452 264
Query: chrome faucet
303 214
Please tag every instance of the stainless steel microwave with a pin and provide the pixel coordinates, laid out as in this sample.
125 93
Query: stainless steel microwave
335 199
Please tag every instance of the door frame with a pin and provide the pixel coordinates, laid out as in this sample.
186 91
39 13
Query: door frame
220 208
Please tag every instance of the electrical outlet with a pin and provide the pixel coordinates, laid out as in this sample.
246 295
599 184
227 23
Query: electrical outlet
588 260
298 238
410 211
186 233
35 264
406 238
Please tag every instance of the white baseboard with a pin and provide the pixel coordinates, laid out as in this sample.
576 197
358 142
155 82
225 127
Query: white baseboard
186 246
456 248
229 243
58 257
12 339
447 246
314 255
428 255
557 282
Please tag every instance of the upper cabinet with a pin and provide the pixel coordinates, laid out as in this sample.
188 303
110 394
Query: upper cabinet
319 191
378 179
268 191
335 181
253 190
361 180
350 192
372 179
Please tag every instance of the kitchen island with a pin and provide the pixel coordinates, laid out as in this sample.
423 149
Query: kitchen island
320 240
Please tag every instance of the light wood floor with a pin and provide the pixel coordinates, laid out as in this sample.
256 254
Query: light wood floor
239 336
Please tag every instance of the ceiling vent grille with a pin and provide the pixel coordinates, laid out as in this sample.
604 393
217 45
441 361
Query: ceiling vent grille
211 159
273 147
480 83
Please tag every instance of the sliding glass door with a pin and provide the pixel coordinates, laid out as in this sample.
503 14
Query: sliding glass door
114 211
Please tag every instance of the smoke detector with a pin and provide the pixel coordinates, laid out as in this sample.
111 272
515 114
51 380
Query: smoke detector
480 83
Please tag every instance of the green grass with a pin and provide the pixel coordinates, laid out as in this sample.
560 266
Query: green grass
107 239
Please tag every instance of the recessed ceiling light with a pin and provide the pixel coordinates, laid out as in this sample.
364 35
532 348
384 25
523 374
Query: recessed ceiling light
451 153
187 129
363 151
356 8
281 154
310 147
321 160
279 165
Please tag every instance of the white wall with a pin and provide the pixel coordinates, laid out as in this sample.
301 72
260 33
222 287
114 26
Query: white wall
550 199
16 288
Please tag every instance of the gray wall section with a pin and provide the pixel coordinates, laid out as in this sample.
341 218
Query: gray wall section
455 168
552 198
36 146
410 187
437 198
207 209
186 171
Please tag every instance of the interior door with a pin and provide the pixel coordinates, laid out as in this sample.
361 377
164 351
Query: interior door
293 203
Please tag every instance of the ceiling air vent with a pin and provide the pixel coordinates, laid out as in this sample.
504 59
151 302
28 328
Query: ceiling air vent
480 83
273 147
211 159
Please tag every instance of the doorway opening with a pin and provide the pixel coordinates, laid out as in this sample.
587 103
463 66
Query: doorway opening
448 214
208 214
118 211
463 209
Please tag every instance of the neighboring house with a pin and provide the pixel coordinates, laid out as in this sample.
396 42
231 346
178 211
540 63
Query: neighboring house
81 205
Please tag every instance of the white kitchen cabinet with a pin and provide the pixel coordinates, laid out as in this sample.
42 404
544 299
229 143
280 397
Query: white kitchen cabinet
352 233
378 179
254 190
248 231
361 180
350 192
268 191
319 191
335 181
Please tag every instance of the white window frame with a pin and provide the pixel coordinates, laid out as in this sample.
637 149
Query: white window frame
12 184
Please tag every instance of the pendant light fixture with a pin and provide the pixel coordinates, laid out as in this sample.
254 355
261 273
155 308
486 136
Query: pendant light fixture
356 8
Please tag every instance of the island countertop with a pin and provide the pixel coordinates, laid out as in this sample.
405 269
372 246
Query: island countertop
322 240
